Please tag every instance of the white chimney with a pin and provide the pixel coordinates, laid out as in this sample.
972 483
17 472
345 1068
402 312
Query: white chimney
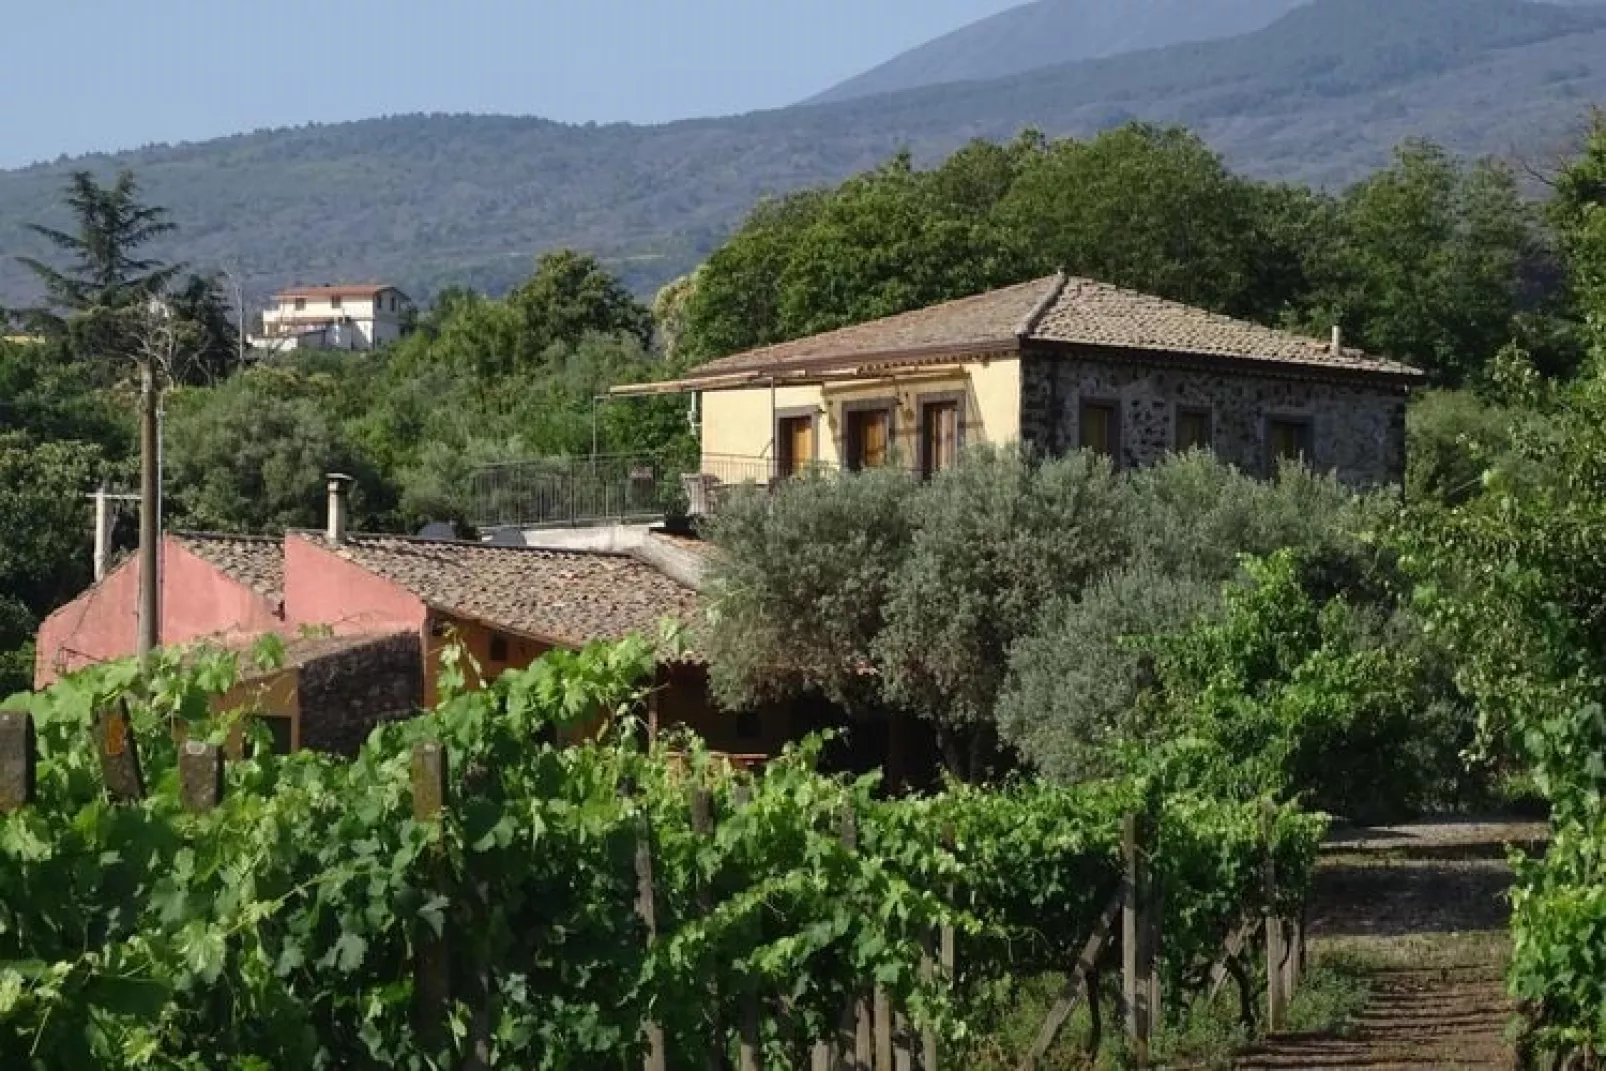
103 532
338 482
1338 341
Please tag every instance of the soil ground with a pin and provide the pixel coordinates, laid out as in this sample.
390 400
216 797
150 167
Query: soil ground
1424 908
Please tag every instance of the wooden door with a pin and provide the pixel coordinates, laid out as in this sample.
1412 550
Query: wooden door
796 439
869 438
939 436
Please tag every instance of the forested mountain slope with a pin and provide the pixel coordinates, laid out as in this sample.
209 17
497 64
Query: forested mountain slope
1047 33
1322 95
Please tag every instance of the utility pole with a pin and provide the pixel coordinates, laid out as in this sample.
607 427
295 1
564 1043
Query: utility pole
150 521
157 343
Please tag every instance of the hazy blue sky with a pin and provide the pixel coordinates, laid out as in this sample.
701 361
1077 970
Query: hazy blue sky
87 75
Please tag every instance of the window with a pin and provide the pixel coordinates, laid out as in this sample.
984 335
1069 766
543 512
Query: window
1101 428
1194 431
794 443
334 303
301 303
941 434
1287 439
498 648
279 729
869 437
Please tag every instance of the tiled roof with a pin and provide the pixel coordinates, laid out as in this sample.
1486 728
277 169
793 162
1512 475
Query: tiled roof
563 596
1052 310
255 561
346 290
993 319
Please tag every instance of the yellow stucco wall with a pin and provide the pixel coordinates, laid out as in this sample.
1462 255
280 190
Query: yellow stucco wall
738 424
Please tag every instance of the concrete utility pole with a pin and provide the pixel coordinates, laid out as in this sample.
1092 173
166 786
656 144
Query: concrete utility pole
157 345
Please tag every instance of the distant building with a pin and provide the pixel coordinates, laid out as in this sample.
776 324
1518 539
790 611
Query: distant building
334 318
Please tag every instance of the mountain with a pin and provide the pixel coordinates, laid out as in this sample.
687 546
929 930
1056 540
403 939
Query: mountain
1048 33
1321 96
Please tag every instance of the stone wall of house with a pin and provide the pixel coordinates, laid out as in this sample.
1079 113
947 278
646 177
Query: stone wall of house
1357 430
346 693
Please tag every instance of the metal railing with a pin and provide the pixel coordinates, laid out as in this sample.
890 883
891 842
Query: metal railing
572 492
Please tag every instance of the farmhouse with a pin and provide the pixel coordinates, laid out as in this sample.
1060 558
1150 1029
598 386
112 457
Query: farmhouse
372 596
348 317
1057 363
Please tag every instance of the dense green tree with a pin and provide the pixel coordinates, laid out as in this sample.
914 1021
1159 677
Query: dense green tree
106 269
252 454
210 345
45 539
995 539
571 295
1430 262
1145 207
800 593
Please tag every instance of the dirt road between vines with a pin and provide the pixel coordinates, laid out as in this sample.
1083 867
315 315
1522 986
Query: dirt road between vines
1423 906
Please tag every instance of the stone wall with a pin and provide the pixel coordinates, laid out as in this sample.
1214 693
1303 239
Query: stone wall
344 694
1357 430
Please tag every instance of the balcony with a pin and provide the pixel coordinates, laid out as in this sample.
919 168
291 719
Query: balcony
586 491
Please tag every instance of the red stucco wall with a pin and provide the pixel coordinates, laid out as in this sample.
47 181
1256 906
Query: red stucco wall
198 600
322 588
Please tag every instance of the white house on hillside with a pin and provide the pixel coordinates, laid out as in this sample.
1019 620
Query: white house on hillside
333 318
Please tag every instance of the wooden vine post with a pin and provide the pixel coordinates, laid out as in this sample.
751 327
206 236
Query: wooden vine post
657 1058
119 754
19 754
432 969
200 776
1135 944
702 823
1276 947
748 1039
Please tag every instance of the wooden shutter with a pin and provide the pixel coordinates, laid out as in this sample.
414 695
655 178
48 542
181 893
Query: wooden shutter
939 436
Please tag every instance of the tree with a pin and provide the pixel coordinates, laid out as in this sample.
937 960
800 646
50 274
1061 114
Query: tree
45 539
251 456
1431 263
112 225
799 594
572 295
994 540
1144 207
211 347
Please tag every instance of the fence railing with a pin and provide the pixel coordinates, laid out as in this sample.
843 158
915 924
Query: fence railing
567 492
873 1035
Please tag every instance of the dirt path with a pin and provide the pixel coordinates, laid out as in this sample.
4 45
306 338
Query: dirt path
1423 907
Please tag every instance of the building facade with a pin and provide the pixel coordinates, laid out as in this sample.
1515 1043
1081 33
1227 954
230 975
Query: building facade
358 317
1055 364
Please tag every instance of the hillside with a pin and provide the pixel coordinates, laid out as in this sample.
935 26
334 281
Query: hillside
1321 96
1049 33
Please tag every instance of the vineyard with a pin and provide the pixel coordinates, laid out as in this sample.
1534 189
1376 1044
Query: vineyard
466 894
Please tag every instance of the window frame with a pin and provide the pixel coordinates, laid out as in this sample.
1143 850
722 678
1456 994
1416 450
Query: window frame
336 302
1306 423
851 410
957 399
1205 411
782 416
299 304
1113 406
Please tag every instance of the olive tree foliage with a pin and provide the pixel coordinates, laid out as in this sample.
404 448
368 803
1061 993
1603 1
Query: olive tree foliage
993 541
799 594
1185 527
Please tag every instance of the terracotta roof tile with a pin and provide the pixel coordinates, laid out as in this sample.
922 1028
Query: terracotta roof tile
991 319
1054 309
564 596
358 290
1096 314
255 561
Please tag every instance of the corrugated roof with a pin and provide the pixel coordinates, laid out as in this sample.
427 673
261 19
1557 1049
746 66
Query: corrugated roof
1053 310
562 596
255 561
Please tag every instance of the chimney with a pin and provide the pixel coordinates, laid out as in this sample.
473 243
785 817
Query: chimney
338 482
103 532
1338 341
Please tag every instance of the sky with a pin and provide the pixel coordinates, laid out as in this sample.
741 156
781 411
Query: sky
101 75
